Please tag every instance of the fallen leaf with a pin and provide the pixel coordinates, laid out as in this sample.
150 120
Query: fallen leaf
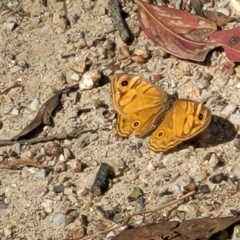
148 232
7 90
44 113
201 228
20 163
204 228
217 17
230 41
177 32
186 35
135 194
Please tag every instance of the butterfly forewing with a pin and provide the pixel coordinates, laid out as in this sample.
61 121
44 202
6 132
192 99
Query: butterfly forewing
131 94
139 104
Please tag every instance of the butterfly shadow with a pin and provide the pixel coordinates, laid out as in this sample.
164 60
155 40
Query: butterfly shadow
219 131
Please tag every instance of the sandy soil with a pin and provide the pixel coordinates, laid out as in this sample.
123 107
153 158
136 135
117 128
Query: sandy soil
43 51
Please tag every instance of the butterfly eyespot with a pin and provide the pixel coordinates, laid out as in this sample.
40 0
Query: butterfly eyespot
124 83
200 116
160 134
135 124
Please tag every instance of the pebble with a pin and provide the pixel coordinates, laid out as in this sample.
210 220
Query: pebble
202 84
235 118
16 69
41 174
67 143
14 112
150 167
213 161
34 104
7 231
59 22
58 188
16 148
228 110
206 214
237 142
236 233
47 204
59 218
221 81
68 190
13 93
75 77
7 109
89 79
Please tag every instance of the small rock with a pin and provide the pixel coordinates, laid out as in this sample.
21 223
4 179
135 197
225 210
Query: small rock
61 158
204 188
14 112
23 64
16 69
218 178
213 161
60 167
202 84
150 167
47 204
68 191
59 218
235 118
67 153
228 110
53 149
41 174
7 109
89 80
236 233
109 44
80 44
75 77
34 104
59 23
221 81
58 188
16 148
237 142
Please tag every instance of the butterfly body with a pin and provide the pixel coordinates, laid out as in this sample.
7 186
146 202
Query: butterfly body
145 109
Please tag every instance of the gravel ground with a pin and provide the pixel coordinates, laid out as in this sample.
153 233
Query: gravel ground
46 48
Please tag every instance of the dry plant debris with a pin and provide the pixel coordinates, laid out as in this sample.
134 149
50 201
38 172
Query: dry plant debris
46 181
202 228
184 34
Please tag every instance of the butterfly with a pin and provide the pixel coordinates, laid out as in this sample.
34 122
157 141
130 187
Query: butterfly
144 109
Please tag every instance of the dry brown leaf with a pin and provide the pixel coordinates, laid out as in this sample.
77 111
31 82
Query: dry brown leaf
44 113
202 228
20 163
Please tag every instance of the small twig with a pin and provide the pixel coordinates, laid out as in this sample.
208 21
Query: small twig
120 22
127 219
74 134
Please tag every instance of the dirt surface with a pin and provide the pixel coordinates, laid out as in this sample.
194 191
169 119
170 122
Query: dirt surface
46 48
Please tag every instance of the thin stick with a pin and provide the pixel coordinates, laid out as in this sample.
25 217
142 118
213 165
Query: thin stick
127 219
